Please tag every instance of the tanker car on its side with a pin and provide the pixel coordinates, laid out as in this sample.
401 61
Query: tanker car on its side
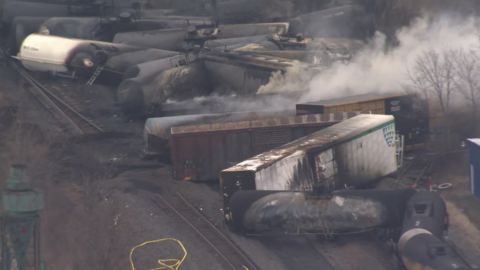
54 54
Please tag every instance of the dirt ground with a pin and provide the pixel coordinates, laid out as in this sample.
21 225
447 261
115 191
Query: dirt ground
463 208
97 197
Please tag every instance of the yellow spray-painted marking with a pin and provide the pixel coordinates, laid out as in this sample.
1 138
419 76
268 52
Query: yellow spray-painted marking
168 263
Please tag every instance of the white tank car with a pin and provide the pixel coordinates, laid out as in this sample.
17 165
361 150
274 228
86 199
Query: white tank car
58 54
48 53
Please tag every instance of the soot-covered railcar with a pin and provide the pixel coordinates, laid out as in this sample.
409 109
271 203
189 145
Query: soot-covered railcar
354 152
422 244
410 111
200 152
347 211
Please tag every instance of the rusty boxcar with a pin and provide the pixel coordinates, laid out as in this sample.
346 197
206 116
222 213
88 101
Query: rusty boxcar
200 152
410 112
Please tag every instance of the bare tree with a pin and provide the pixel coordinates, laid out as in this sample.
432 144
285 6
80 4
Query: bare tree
467 69
434 74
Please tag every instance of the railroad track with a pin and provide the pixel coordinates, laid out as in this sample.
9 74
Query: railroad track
232 257
72 120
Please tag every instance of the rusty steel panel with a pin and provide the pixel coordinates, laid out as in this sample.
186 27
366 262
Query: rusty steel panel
200 152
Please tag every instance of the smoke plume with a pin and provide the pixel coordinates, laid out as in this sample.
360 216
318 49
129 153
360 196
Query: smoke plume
377 68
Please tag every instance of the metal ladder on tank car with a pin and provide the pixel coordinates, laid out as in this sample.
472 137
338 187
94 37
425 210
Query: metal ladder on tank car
399 145
95 75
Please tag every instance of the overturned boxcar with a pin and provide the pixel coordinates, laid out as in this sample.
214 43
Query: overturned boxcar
354 152
200 152
411 112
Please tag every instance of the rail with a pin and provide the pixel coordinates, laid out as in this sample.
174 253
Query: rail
232 256
70 118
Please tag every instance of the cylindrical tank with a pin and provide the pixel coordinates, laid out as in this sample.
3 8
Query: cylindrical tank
97 28
259 42
251 29
349 21
72 27
235 77
421 245
146 70
298 212
58 54
122 62
139 96
168 39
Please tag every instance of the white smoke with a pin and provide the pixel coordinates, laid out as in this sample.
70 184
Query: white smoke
376 69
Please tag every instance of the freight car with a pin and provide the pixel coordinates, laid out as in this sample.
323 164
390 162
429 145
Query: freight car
157 134
421 245
351 211
354 152
82 57
411 112
200 152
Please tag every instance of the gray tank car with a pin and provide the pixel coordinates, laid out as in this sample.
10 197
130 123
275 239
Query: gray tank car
421 244
353 211
139 96
347 21
184 38
105 28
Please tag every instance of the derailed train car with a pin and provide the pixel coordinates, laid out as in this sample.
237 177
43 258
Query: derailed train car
180 38
355 152
410 111
157 133
421 244
237 74
54 54
200 152
286 212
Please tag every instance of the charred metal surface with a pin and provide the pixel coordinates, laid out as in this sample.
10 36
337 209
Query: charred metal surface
355 152
157 130
348 21
144 95
410 111
249 60
421 245
296 212
200 152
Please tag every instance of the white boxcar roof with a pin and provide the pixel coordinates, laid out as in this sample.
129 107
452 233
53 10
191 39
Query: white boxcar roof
344 131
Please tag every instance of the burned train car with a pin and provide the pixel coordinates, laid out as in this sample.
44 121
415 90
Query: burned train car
157 133
421 244
347 211
200 152
355 152
237 74
410 111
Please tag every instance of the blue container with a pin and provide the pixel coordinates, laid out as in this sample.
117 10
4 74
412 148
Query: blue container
474 152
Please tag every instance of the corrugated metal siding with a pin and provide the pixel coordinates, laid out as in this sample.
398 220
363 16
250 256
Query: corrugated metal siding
367 158
200 152
474 152
290 167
